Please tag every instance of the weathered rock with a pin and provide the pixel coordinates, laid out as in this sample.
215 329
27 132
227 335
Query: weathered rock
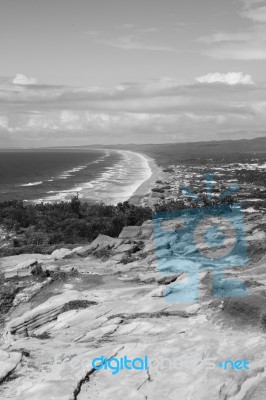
165 280
130 232
26 294
8 362
133 317
20 270
250 309
102 242
61 253
146 230
48 311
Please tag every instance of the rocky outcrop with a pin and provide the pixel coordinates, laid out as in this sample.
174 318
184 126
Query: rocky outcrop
101 243
21 269
110 299
41 315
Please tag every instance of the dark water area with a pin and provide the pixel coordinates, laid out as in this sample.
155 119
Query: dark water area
33 174
57 175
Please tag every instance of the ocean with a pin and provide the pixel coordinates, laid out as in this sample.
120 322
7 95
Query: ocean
110 176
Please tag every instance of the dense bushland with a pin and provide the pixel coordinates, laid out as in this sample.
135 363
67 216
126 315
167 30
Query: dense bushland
44 227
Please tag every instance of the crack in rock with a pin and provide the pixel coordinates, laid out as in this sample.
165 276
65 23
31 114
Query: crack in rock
156 314
146 380
88 374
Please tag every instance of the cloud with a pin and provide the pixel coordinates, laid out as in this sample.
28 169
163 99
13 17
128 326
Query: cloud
3 122
224 37
133 39
245 53
242 45
256 14
126 26
249 3
92 33
162 109
23 80
131 43
231 78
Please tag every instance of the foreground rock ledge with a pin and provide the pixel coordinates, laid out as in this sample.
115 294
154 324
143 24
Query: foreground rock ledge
109 299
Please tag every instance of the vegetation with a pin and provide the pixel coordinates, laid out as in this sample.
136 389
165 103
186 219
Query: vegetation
158 190
44 227
168 170
201 206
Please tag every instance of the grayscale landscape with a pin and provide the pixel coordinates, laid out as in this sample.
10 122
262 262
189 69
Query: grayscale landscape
133 199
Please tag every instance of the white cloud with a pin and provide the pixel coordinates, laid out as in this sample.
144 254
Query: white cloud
92 33
126 26
248 52
231 78
225 37
255 14
249 3
134 43
132 112
23 80
3 122
68 116
241 45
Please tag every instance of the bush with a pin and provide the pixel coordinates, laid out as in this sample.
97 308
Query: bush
42 227
158 190
168 170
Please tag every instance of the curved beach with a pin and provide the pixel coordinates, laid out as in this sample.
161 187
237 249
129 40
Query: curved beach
129 178
146 186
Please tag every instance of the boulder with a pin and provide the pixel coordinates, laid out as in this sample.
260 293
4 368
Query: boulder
161 291
146 230
20 270
102 242
60 253
130 232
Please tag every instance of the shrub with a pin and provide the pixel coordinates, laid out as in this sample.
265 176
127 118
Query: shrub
168 170
158 190
41 228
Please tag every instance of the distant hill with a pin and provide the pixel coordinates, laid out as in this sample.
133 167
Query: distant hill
168 153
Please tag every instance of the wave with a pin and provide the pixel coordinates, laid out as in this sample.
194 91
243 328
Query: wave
32 184
116 183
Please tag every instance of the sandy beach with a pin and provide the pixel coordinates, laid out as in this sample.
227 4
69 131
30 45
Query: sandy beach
132 173
146 187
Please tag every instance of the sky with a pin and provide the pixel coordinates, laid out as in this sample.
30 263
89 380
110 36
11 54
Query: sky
77 72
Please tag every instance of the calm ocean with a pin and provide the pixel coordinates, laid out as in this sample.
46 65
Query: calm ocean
54 175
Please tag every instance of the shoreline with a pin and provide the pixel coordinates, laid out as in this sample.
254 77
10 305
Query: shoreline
137 192
139 173
145 188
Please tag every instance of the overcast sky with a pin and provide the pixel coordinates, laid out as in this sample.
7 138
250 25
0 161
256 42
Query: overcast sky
131 71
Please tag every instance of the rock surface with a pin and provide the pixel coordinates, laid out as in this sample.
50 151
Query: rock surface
96 303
